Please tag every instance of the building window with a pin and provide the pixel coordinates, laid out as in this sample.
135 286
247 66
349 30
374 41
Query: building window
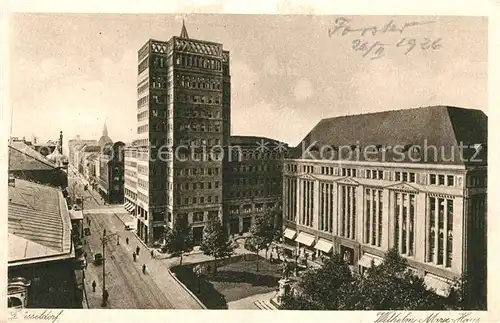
404 223
326 211
441 179
198 217
349 172
451 180
347 199
432 179
440 231
373 217
307 188
412 178
291 199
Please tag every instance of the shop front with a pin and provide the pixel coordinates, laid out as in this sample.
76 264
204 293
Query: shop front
305 243
324 248
367 261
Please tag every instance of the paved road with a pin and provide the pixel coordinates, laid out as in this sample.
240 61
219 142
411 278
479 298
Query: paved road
128 287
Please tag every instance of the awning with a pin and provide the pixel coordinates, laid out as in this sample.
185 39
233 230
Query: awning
366 260
76 215
129 206
438 285
324 245
305 239
289 233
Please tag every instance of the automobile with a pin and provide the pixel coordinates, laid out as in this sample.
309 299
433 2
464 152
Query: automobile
129 226
97 259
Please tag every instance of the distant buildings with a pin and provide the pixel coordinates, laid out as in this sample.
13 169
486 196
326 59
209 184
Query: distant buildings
43 264
74 145
111 172
130 184
28 164
362 184
102 165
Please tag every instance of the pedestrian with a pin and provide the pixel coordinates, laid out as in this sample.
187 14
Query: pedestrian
126 240
144 269
85 255
89 221
271 258
118 241
93 286
152 254
134 256
137 249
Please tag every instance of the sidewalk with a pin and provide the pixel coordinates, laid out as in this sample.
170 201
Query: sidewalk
92 273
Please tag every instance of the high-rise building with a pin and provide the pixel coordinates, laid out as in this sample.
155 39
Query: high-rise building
183 126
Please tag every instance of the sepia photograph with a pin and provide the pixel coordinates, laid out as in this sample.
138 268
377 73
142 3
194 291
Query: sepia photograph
247 162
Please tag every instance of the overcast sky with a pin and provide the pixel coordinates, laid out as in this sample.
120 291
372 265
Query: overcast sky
73 72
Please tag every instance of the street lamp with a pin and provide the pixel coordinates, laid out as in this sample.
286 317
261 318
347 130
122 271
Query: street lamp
296 256
105 239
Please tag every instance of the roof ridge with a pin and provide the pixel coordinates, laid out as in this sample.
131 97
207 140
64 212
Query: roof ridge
398 110
37 158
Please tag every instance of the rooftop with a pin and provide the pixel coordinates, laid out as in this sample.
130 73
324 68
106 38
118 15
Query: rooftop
39 223
251 140
23 157
394 132
90 148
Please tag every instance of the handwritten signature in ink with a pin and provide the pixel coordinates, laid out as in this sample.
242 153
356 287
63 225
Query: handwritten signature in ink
342 27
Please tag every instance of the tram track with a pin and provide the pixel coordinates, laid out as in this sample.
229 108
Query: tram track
144 290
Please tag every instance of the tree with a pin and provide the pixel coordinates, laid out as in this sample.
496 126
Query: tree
180 239
390 286
467 293
325 288
215 241
263 233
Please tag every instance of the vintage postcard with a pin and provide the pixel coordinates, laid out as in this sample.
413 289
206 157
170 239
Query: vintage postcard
265 162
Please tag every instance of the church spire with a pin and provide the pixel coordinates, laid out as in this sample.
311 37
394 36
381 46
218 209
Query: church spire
105 130
184 33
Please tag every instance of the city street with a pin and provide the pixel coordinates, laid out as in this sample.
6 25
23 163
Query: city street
128 287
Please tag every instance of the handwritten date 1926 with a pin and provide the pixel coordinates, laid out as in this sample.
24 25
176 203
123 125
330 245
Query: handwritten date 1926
375 50
424 45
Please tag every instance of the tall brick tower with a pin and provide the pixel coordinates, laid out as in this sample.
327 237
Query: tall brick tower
183 126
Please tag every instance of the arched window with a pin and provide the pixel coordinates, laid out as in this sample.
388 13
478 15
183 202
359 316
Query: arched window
14 302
